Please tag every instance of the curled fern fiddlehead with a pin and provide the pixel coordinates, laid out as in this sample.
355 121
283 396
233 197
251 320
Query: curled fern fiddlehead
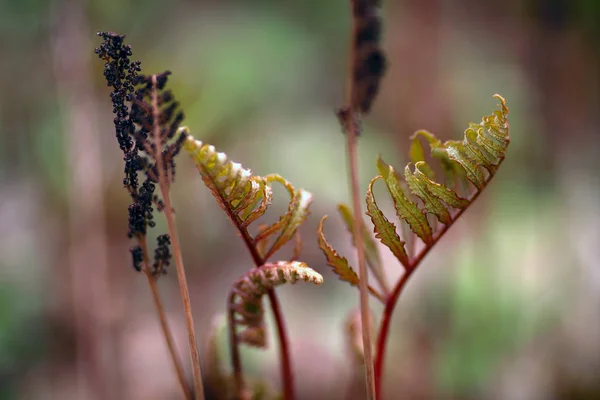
246 295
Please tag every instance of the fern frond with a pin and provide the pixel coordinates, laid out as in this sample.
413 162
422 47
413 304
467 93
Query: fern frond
371 251
406 209
245 197
339 264
474 159
385 231
245 298
300 201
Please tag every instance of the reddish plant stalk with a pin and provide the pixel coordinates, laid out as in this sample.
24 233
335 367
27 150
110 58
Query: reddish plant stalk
399 287
287 376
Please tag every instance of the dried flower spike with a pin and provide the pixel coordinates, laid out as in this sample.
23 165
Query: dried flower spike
141 104
369 62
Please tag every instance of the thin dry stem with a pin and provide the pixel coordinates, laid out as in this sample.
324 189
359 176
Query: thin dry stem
362 264
351 127
162 317
170 217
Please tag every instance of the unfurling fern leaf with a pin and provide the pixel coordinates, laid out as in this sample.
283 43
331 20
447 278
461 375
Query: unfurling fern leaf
245 299
473 160
340 264
371 251
245 197
242 196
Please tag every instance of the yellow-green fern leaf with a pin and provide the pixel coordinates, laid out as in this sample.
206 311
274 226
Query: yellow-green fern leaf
405 209
384 230
439 191
242 196
476 158
417 153
457 152
245 197
245 299
371 251
298 211
438 151
338 263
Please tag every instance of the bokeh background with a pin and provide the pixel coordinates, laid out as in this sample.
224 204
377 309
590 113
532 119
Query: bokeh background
506 307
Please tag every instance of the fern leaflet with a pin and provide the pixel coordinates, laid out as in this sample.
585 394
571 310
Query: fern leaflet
245 197
245 299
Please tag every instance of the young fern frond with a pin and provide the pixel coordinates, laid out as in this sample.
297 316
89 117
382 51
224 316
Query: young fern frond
245 297
245 197
371 251
473 160
340 264
242 196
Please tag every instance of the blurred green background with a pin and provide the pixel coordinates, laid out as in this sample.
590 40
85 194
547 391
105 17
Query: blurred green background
506 307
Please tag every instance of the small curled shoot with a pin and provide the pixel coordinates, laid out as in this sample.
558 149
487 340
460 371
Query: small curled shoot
245 297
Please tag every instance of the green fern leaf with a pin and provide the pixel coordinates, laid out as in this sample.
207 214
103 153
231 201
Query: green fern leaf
457 152
405 209
338 263
450 168
245 197
298 211
242 196
371 251
439 191
417 154
384 230
245 298
475 158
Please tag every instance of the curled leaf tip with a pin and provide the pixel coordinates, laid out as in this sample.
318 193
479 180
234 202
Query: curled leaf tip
245 298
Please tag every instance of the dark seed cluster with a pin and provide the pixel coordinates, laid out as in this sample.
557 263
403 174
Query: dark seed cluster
169 119
137 256
142 106
369 62
162 255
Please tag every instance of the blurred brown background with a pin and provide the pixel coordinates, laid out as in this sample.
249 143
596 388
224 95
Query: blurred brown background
507 306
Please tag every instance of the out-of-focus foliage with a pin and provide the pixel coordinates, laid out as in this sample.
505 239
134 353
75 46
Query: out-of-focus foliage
261 80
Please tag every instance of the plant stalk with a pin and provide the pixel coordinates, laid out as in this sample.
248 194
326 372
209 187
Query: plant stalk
170 217
401 284
350 122
287 376
236 361
362 265
162 317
